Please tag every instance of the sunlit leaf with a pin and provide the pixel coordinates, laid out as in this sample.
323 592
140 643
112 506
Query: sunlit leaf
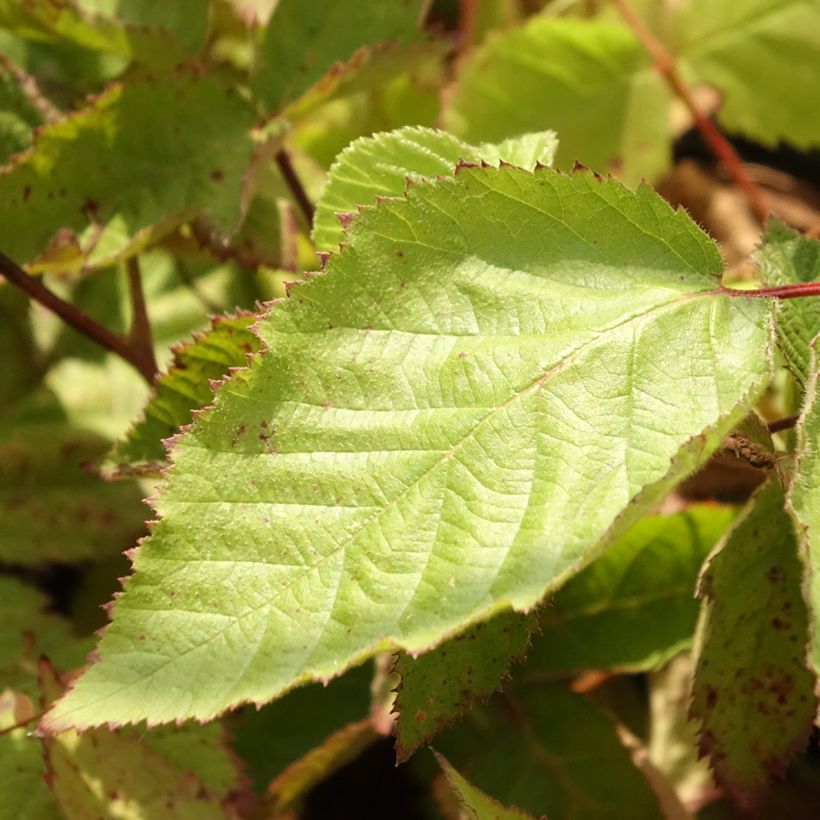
519 364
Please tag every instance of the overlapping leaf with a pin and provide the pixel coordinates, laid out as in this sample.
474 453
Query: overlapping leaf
753 693
303 40
129 161
787 258
590 81
498 376
381 165
634 607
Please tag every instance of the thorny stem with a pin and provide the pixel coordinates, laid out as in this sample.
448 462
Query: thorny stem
140 325
721 147
295 185
71 315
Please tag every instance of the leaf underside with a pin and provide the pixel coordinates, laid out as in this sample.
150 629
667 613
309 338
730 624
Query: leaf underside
498 375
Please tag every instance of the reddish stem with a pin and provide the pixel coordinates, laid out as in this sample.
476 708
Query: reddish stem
795 291
71 315
721 147
779 425
295 184
141 339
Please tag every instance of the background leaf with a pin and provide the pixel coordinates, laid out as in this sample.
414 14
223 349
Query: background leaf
752 692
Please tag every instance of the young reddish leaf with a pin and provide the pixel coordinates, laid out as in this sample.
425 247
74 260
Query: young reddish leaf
474 803
488 361
753 692
440 686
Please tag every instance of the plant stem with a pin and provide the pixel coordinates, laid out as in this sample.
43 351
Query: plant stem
29 87
721 147
141 339
795 291
786 423
71 315
295 185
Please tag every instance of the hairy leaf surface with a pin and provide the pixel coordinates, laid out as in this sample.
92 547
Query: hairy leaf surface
752 691
303 40
634 607
787 258
129 161
381 165
498 376
591 82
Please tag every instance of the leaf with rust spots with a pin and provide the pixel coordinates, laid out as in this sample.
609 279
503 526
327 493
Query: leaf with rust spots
753 691
438 687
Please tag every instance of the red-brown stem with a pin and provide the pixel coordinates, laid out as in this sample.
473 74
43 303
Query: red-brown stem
141 338
295 184
721 147
28 85
779 425
795 291
71 315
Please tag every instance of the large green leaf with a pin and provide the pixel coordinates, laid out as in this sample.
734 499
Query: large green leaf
498 376
804 502
787 258
591 81
634 607
762 56
753 692
141 154
303 40
381 165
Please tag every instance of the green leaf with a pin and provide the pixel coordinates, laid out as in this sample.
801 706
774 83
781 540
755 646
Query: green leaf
140 154
29 630
762 56
752 691
590 81
520 364
185 387
158 35
186 772
804 503
634 607
381 165
440 686
302 41
550 752
18 116
51 508
280 734
475 804
787 258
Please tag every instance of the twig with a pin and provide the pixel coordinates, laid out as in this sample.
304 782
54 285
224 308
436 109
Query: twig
721 147
31 91
81 322
796 291
141 339
786 423
295 185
